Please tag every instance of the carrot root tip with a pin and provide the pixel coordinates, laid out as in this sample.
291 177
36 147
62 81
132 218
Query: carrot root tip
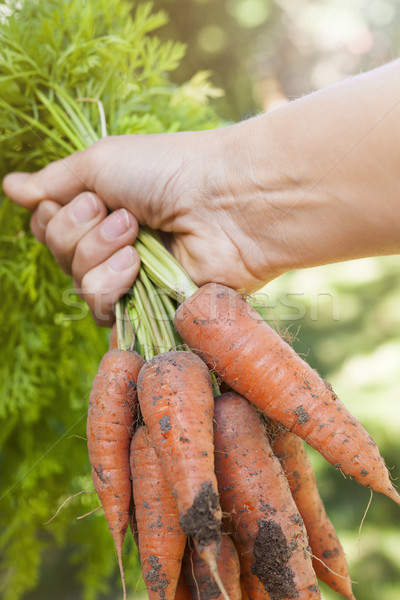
121 569
394 495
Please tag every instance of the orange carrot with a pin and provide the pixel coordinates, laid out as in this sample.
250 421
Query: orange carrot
132 521
200 580
219 325
244 593
161 540
330 562
113 340
182 589
267 529
251 586
112 408
177 404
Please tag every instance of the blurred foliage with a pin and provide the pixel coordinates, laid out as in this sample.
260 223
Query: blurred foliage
262 53
265 51
221 36
50 348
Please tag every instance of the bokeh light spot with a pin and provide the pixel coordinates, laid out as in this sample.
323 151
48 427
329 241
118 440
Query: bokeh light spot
381 12
212 39
250 13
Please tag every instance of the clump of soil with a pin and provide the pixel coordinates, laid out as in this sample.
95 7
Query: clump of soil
208 588
199 521
157 580
272 553
302 415
165 424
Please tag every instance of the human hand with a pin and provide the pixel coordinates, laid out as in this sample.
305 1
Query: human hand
191 186
238 205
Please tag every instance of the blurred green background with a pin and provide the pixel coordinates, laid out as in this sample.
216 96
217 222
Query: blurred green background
346 317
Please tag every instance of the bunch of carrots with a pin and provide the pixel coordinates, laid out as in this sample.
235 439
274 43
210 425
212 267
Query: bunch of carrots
217 488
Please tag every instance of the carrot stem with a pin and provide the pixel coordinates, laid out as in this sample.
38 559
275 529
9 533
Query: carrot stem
124 336
170 309
61 120
162 268
143 324
151 321
36 124
162 319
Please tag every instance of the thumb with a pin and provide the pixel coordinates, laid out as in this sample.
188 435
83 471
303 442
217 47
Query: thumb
59 181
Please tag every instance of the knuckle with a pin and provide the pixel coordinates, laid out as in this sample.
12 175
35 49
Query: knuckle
102 322
78 288
102 318
84 256
39 235
54 238
92 287
96 297
96 151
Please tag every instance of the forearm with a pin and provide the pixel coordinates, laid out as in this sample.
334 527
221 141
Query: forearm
326 173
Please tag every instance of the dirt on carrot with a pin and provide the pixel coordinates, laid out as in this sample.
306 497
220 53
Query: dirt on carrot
161 541
329 560
251 357
265 524
200 579
112 409
199 520
272 554
183 440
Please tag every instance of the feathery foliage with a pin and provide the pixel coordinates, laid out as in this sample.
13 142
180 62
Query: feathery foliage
52 53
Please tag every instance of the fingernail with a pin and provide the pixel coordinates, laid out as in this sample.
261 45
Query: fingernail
85 208
123 259
116 224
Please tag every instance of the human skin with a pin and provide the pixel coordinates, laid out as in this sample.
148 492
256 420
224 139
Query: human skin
313 182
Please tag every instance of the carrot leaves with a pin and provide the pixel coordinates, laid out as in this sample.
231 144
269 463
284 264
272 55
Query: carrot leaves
52 54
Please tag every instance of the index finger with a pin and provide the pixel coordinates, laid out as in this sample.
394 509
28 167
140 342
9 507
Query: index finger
59 181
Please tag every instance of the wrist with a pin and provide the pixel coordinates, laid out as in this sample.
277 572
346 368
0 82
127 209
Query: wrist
276 203
324 170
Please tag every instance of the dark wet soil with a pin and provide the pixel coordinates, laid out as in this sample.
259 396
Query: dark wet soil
165 424
302 415
199 521
158 581
272 553
208 588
